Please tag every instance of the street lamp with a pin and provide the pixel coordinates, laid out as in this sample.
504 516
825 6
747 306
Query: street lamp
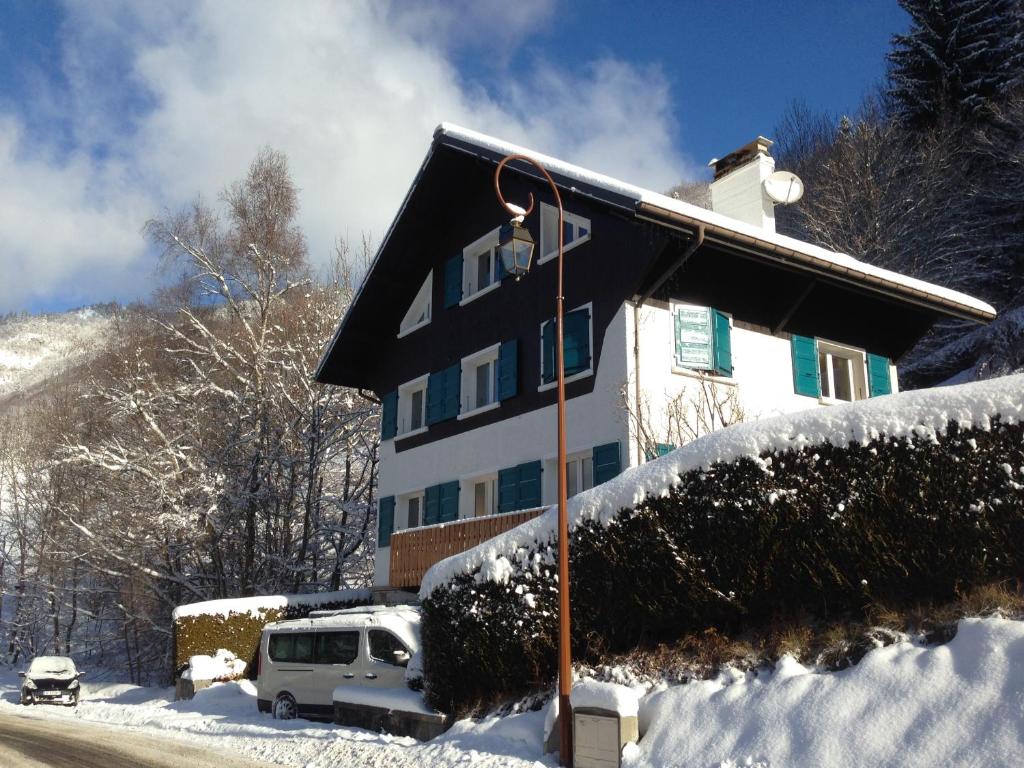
519 250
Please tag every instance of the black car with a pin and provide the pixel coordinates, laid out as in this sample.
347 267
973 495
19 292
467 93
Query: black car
52 680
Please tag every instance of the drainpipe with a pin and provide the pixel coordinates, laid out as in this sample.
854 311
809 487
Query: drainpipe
683 257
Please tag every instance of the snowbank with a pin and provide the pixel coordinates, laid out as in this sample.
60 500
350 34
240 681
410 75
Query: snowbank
223 665
919 415
257 606
397 699
903 705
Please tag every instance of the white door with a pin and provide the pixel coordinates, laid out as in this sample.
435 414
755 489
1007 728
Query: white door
337 663
386 660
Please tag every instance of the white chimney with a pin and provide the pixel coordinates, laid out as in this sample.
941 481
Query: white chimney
738 189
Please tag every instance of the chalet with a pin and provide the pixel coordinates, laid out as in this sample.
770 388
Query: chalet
660 296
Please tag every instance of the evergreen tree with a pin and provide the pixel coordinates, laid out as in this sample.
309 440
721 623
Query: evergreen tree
957 56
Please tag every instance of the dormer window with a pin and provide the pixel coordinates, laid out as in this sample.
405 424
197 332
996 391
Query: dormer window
575 231
419 311
481 269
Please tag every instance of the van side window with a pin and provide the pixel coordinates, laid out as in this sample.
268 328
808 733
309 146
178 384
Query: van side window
337 647
291 646
387 648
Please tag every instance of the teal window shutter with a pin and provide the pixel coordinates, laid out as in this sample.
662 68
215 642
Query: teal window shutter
435 397
576 341
453 281
879 381
452 387
529 484
508 369
385 520
389 415
694 338
547 352
806 377
660 449
432 505
606 462
722 343
508 489
448 501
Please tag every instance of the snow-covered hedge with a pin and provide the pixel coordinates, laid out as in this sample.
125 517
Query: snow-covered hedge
894 500
235 624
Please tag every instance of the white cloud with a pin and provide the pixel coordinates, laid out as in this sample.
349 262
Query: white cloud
351 92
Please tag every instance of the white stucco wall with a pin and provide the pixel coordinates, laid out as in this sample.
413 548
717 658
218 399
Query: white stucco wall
762 371
593 419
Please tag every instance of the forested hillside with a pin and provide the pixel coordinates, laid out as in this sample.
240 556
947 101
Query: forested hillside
926 177
190 455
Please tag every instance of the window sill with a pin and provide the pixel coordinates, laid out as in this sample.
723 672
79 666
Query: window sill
565 249
822 400
712 377
411 433
407 331
493 286
481 409
568 380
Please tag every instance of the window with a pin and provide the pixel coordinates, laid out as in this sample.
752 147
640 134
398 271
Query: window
291 647
575 231
386 648
412 401
577 347
418 314
481 269
519 487
337 647
413 511
579 474
701 339
841 372
479 381
485 496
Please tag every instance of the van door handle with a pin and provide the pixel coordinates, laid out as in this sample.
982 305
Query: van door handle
371 675
348 675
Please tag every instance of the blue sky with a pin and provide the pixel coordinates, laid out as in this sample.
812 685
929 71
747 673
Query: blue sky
112 112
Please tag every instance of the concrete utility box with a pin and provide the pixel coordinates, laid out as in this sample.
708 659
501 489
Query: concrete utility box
599 736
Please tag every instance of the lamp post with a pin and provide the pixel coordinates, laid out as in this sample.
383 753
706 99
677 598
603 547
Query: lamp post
516 249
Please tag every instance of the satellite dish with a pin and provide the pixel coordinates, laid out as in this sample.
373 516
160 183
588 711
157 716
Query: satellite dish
784 187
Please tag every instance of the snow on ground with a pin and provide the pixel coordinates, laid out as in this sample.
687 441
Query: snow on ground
918 415
960 704
906 705
224 716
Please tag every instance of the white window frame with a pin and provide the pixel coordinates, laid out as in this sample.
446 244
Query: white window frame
590 337
549 251
490 493
858 371
574 466
402 504
469 256
425 294
467 390
405 392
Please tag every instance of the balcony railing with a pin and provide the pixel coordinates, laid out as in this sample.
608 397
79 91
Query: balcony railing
415 550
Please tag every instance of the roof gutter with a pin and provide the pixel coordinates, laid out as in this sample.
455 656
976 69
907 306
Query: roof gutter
730 237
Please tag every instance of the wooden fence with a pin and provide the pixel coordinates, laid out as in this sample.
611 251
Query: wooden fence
415 550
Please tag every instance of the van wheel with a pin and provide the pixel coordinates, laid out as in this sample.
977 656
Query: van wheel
285 707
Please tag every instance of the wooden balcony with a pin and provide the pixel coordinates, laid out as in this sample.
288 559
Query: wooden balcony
415 550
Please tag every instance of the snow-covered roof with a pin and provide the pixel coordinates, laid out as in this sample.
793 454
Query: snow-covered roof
917 415
652 202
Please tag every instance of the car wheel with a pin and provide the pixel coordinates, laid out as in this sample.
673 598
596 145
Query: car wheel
285 707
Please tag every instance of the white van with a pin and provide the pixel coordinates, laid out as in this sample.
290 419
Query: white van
302 661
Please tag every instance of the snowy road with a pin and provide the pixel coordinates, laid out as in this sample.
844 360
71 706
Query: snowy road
28 742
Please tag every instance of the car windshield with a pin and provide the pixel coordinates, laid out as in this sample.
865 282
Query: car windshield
51 665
